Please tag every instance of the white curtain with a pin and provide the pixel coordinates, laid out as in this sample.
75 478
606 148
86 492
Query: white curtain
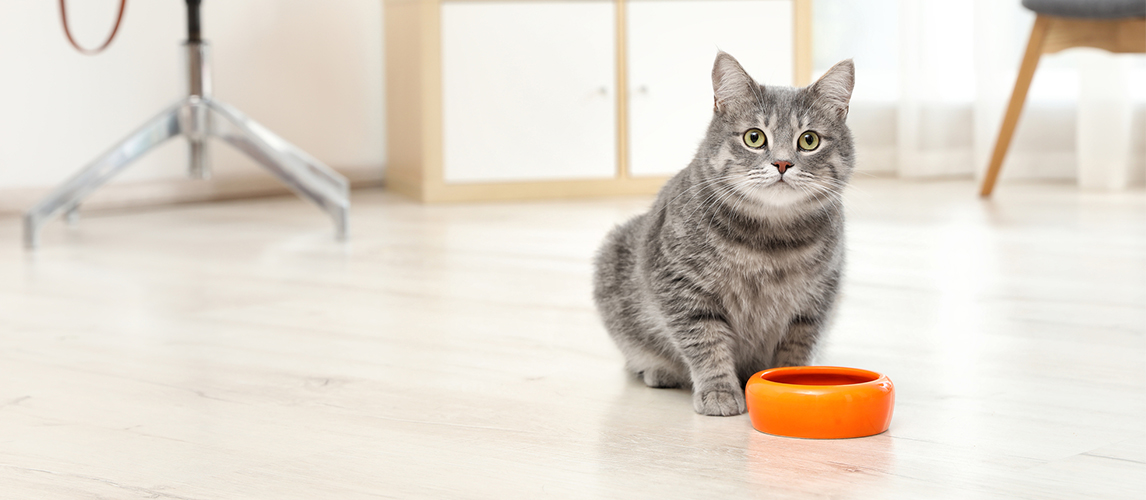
933 78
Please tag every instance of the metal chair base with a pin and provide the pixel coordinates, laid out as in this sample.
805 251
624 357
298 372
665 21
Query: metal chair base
198 117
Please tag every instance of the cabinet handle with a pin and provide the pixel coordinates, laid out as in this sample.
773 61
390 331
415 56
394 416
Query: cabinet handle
603 90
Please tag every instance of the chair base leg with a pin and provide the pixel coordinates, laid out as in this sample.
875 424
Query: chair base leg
305 175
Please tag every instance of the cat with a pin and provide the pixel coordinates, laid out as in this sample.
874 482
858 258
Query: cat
736 267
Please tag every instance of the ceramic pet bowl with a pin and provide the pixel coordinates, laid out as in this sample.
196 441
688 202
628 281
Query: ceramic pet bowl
820 402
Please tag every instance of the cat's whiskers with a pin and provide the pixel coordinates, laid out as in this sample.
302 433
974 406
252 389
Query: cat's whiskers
803 186
695 191
860 194
820 180
716 192
829 182
828 187
817 193
823 190
718 197
739 204
698 185
819 186
711 201
732 190
812 194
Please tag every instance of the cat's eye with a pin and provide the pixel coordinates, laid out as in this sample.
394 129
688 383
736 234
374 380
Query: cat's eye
809 140
754 138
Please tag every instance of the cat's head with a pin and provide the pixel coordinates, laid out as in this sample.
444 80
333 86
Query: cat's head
780 146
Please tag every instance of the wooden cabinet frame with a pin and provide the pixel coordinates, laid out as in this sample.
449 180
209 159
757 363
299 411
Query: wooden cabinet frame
414 111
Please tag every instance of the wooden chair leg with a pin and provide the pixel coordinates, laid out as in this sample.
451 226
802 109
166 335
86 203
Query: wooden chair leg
1015 107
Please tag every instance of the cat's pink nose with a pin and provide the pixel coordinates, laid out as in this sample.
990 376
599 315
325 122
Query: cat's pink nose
782 165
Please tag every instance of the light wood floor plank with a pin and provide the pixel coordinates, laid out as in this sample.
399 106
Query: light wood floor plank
234 350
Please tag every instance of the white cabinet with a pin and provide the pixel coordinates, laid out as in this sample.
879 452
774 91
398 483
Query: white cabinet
528 91
671 46
519 99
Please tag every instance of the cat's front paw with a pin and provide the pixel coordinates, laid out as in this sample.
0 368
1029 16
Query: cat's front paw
719 402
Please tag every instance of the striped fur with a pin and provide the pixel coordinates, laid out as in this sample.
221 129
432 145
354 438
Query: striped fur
731 271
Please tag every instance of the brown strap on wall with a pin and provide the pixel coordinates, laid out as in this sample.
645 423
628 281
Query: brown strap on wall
114 29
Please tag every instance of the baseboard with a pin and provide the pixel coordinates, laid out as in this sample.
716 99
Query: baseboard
175 191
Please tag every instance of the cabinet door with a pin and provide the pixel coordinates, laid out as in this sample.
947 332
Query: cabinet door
528 91
672 44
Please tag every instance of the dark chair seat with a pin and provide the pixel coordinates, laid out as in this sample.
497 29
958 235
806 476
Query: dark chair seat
1091 9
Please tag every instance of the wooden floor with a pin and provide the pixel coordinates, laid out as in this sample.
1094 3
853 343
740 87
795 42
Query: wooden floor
234 350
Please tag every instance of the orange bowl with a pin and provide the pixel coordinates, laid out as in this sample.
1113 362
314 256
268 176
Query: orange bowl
820 402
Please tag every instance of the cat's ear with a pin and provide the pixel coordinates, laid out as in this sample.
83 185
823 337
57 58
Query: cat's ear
834 89
731 85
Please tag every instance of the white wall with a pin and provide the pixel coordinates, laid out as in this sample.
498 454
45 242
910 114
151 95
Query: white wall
310 71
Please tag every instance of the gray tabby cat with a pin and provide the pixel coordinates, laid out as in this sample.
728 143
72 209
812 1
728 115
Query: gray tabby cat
737 266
